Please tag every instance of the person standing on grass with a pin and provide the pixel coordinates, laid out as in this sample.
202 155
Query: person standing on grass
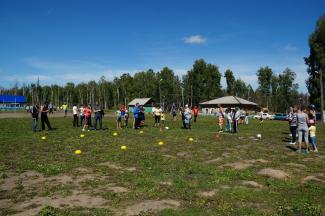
195 112
236 118
188 117
98 116
312 135
293 122
44 118
174 112
75 116
35 112
118 119
221 118
302 118
246 118
157 112
81 115
51 108
136 112
65 109
87 121
162 119
126 118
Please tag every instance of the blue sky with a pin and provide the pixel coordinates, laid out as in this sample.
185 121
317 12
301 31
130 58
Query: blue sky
76 40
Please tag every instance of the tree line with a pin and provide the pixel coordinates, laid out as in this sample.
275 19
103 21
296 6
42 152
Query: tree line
201 83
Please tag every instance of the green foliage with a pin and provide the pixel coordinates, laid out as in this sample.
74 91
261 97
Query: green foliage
316 60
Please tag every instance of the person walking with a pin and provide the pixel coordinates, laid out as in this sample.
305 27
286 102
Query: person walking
44 118
98 116
35 113
302 118
75 116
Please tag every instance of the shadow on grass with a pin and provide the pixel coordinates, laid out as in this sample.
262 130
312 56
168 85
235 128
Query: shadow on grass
292 148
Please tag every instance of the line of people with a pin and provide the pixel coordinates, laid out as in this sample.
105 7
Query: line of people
232 117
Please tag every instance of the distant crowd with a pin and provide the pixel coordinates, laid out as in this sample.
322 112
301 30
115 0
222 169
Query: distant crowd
302 121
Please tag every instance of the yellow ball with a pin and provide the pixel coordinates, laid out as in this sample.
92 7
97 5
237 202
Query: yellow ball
141 132
161 143
115 134
43 138
123 147
82 135
190 139
77 151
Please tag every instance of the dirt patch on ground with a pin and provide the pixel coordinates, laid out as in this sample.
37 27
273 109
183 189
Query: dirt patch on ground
274 173
300 166
117 167
169 156
241 165
210 193
151 206
79 195
251 184
213 160
319 177
238 165
166 183
183 154
35 205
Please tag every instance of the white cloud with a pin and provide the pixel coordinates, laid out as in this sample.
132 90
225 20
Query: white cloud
195 39
290 47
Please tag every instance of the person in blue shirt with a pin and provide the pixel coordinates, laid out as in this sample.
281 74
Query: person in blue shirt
136 111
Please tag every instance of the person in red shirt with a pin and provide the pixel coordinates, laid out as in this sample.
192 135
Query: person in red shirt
87 121
195 112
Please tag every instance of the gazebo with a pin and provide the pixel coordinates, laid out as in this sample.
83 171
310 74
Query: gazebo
210 106
145 102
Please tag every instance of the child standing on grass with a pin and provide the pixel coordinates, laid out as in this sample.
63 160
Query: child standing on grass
312 133
118 119
87 112
82 116
221 119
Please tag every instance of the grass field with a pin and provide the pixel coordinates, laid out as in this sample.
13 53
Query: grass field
233 175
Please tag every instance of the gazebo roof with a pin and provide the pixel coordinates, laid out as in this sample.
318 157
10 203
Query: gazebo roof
229 100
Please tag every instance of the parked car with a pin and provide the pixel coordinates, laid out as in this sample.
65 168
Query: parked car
265 116
280 116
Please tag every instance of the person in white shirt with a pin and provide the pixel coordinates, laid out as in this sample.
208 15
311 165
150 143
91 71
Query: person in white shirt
75 116
157 112
82 115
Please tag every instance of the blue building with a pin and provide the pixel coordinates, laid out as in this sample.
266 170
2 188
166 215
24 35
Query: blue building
12 102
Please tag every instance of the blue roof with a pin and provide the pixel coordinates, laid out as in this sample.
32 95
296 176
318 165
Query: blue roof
12 99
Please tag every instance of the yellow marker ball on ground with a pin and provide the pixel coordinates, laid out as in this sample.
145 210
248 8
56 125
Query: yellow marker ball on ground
44 138
141 132
123 147
77 152
82 135
114 134
190 139
161 143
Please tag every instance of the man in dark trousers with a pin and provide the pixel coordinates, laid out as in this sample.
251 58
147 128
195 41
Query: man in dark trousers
35 112
44 118
136 112
98 116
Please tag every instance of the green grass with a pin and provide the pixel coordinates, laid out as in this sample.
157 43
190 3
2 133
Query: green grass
22 150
